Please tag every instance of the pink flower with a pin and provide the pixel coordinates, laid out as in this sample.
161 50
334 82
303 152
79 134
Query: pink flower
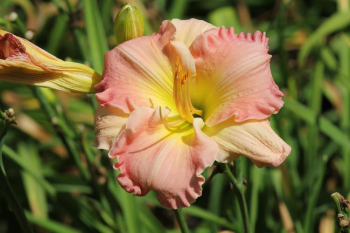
174 102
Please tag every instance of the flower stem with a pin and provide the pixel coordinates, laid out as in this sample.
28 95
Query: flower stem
181 220
10 195
238 188
342 205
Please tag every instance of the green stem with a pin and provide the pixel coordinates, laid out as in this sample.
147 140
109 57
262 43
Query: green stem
181 220
335 197
5 184
239 191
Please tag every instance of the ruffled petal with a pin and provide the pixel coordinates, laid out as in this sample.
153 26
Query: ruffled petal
234 77
188 30
23 62
109 122
152 157
140 72
254 139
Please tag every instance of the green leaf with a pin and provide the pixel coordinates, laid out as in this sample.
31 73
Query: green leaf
177 9
300 110
50 225
35 192
204 214
225 16
328 58
336 22
332 131
17 159
96 35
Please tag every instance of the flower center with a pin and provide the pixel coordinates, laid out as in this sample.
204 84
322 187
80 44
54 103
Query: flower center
181 96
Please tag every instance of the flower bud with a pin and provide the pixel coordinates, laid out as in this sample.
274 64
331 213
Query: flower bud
23 62
128 24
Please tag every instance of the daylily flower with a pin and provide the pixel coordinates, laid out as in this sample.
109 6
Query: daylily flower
174 102
24 62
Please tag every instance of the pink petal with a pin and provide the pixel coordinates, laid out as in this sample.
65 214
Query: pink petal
140 72
151 157
109 122
188 30
254 139
234 76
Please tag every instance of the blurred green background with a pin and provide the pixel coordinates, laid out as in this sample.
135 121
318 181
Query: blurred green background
66 185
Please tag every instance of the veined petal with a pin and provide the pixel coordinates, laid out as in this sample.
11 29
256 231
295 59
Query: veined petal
23 62
188 30
234 76
140 72
109 122
254 139
152 157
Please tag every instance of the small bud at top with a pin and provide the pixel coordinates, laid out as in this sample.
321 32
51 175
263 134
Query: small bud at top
128 24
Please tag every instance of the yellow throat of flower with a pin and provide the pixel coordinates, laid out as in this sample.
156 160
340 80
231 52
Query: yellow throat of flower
181 95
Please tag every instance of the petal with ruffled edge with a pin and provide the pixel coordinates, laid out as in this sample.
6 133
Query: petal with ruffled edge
188 30
254 139
109 122
233 76
140 72
151 157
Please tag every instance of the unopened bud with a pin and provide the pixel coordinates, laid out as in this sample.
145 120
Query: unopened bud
128 24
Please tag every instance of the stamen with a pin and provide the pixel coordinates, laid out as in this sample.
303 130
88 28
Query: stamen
184 105
169 124
181 96
177 87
